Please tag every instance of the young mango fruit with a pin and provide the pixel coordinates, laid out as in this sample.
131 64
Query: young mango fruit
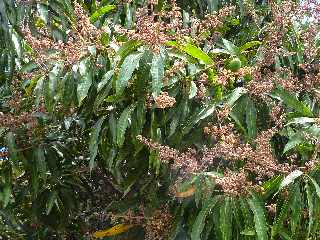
235 64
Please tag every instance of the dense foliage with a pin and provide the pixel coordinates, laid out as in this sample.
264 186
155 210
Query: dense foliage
159 119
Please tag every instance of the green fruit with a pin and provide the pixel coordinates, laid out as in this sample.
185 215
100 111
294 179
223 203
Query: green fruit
234 65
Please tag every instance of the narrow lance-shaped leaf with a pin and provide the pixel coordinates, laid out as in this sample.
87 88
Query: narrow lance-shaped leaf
101 11
94 141
315 184
294 141
193 51
251 119
199 223
230 47
292 102
157 72
296 207
226 219
85 81
260 221
310 208
123 123
128 66
11 142
290 178
248 45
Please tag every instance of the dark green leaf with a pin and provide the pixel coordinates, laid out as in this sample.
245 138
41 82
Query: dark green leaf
257 207
199 223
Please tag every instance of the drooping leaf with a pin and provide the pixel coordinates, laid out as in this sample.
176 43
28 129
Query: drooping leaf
260 222
115 230
296 207
157 72
101 11
250 44
85 81
94 141
281 215
128 66
315 184
234 96
12 148
225 220
123 123
294 141
199 223
292 102
230 47
310 208
290 178
302 121
193 51
251 119
105 79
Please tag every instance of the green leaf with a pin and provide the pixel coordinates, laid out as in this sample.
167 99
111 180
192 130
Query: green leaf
11 143
315 184
52 199
105 79
94 141
85 80
7 191
128 66
251 119
193 90
40 161
296 207
290 178
193 51
230 47
128 47
157 72
202 114
199 223
302 121
294 141
51 87
101 11
123 123
310 208
234 96
292 102
197 53
278 222
248 45
225 220
260 222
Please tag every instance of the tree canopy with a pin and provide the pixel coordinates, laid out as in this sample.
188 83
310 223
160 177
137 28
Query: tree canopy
159 119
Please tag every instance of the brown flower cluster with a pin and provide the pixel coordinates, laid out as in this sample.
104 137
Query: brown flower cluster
234 183
171 72
258 159
164 100
158 226
277 116
225 75
209 23
155 29
261 160
18 119
263 83
228 144
187 161
83 34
